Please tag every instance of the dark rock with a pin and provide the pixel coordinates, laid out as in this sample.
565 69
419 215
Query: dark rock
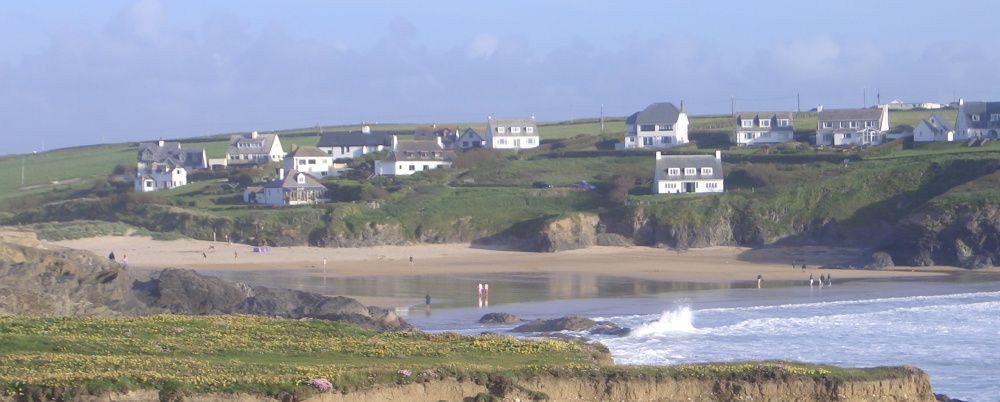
569 323
880 260
499 318
613 240
609 328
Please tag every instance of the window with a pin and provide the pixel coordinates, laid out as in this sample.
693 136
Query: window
344 150
827 124
502 141
674 171
531 140
995 117
855 124
647 127
312 161
427 167
690 171
712 185
747 136
783 122
869 123
765 123
500 130
413 167
647 140
301 178
747 122
516 130
665 140
666 127
302 161
975 117
706 171
529 129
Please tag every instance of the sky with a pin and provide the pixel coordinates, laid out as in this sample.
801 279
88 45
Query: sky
88 72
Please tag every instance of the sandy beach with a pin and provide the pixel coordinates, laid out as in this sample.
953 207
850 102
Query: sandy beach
710 264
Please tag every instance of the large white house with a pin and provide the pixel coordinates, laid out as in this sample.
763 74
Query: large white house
353 144
676 174
511 133
163 165
293 188
762 128
977 120
409 157
934 129
852 126
312 160
660 125
254 149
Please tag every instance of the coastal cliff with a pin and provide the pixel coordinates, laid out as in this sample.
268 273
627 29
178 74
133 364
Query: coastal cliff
914 387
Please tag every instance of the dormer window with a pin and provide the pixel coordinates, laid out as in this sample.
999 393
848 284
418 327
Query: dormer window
855 124
765 123
747 123
674 171
690 171
995 117
515 130
529 129
706 171
500 130
666 127
827 124
975 117
783 123
301 178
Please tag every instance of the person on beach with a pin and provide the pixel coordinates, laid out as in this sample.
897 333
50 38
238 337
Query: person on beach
480 290
204 255
820 280
810 280
760 278
111 256
829 282
486 289
125 260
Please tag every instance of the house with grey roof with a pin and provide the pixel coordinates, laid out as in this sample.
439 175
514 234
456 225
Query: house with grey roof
511 133
447 134
659 125
679 174
934 129
977 120
470 138
844 127
163 165
353 144
312 160
291 188
408 157
762 128
254 149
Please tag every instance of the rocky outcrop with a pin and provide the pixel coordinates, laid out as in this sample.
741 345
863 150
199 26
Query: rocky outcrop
371 235
578 231
37 279
499 318
964 235
572 324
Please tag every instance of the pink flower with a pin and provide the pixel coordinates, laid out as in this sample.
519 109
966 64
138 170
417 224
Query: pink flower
321 384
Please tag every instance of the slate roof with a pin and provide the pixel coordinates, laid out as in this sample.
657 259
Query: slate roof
494 122
171 153
983 110
291 181
262 143
416 150
448 134
774 116
306 151
354 139
688 161
849 114
657 113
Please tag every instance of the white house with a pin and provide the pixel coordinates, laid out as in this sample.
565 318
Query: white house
934 129
293 188
660 125
163 165
353 144
409 157
470 138
447 134
511 133
977 120
254 149
762 128
312 160
677 174
897 104
852 126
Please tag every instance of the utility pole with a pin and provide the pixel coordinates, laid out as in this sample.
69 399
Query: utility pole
864 94
732 105
602 118
798 102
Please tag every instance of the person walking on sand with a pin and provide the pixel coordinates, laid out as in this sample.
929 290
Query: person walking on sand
125 260
829 281
411 260
486 289
760 278
480 289
821 280
810 280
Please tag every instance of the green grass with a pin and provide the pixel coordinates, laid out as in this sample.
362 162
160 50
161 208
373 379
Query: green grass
42 357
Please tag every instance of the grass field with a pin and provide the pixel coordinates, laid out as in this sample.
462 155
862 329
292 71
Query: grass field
59 358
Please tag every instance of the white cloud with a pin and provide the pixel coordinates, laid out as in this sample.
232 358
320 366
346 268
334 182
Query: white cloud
481 47
823 58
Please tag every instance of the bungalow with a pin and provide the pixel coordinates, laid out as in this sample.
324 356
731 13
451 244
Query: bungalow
408 157
447 134
470 139
162 165
312 160
353 144
254 149
977 120
762 128
511 133
295 188
688 174
660 125
934 129
852 126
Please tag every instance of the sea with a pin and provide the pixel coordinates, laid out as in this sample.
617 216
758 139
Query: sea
947 326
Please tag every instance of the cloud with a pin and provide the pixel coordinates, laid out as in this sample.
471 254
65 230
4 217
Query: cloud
822 58
481 46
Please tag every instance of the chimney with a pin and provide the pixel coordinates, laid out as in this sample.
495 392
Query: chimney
281 173
366 129
718 154
658 155
160 142
440 144
394 142
253 134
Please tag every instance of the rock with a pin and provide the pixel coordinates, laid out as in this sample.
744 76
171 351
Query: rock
499 318
880 260
609 328
576 232
568 323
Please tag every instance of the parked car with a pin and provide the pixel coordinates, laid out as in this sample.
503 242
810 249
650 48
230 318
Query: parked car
541 184
583 185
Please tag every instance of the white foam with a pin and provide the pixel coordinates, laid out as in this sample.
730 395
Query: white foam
678 320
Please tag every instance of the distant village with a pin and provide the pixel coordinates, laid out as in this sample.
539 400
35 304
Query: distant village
164 165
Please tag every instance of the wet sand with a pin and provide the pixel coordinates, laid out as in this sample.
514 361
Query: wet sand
704 265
